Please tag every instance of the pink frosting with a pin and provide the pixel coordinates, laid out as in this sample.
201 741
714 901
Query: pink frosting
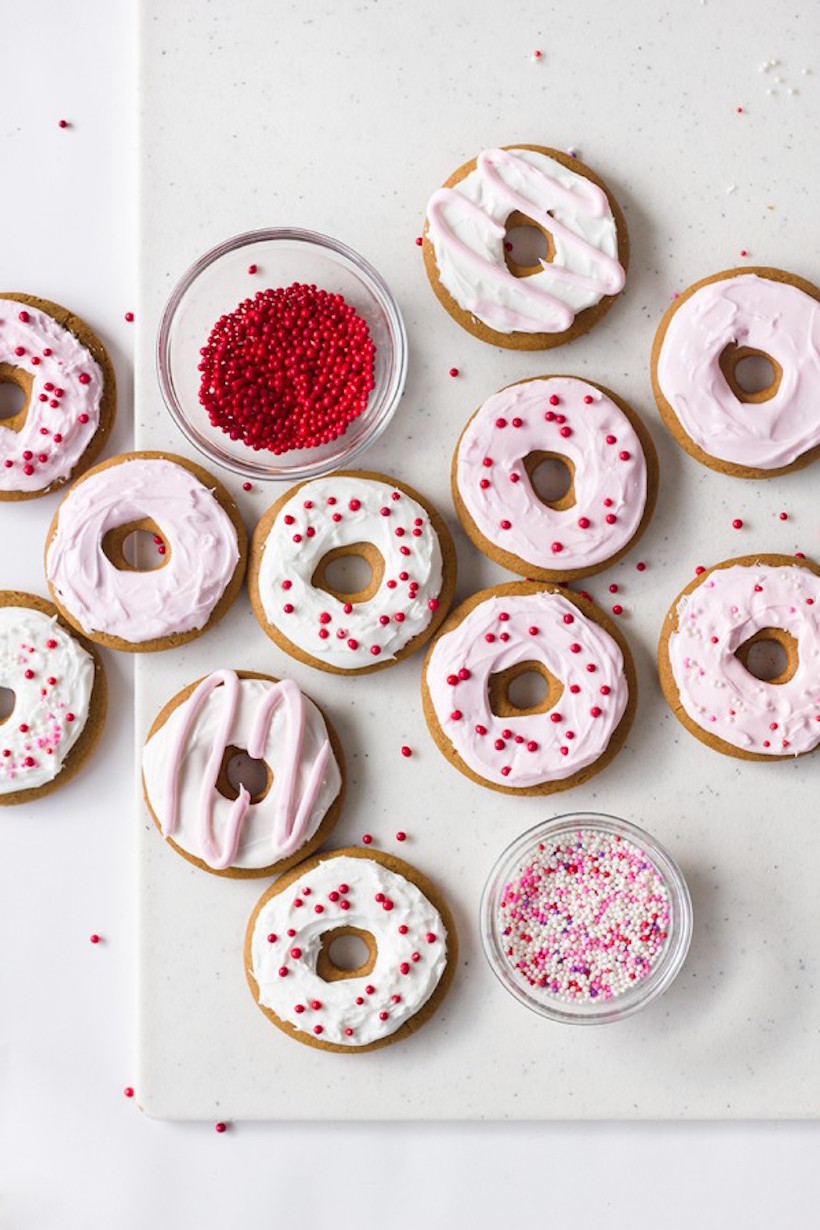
202 544
499 633
66 383
716 691
291 815
563 415
775 317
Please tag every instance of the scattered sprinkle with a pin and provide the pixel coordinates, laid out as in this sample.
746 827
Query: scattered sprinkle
62 124
401 835
453 371
406 751
128 1091
366 839
129 316
220 1127
737 524
419 241
246 487
253 269
94 939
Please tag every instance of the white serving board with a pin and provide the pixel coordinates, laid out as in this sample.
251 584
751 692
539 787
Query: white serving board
344 120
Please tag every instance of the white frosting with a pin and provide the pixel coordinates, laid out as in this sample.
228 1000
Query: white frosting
263 839
467 229
588 428
32 641
49 459
412 577
339 1011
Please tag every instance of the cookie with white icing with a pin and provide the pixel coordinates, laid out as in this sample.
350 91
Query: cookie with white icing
69 387
705 334
58 698
604 446
362 514
704 656
198 534
402 919
520 628
472 273
188 791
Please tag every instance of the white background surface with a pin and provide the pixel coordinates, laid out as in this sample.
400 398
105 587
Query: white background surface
74 1151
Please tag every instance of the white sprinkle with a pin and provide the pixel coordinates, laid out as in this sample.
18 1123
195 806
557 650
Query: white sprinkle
732 188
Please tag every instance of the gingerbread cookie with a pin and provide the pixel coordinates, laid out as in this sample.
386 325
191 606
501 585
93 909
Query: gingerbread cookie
611 463
515 629
711 328
406 926
69 387
58 698
351 513
703 657
531 307
185 774
198 533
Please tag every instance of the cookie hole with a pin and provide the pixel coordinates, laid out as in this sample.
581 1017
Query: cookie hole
770 655
138 546
7 703
12 399
352 573
526 688
15 394
526 244
239 769
346 952
752 375
552 478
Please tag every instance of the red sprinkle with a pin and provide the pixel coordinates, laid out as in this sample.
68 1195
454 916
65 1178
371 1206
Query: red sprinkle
737 524
401 835
129 316
220 1127
128 1091
94 939
366 839
453 371
406 751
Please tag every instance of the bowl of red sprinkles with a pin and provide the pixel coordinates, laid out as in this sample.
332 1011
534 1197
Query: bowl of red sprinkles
282 354
586 919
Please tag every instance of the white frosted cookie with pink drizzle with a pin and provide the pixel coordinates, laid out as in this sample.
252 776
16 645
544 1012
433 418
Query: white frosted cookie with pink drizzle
466 252
228 828
55 684
408 940
198 535
519 629
705 655
707 332
373 518
68 389
612 470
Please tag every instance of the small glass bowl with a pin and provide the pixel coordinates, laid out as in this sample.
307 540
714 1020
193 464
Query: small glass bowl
599 1011
218 282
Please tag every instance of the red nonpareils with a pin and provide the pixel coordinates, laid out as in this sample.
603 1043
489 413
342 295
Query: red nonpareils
290 368
406 751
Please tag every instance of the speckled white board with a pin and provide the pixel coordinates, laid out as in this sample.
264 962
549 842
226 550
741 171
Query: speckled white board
343 118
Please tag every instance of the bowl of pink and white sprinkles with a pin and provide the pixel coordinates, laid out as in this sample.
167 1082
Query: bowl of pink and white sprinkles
586 919
282 354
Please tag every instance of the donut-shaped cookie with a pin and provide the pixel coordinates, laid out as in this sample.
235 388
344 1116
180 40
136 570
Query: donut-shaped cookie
351 513
59 698
515 629
479 283
68 383
610 458
411 951
704 648
199 534
707 331
185 779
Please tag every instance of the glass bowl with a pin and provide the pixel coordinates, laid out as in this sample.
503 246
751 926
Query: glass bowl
643 991
218 282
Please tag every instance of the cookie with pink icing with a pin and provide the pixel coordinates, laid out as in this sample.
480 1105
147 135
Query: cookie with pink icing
704 337
705 657
247 720
525 303
474 712
405 930
611 464
366 516
198 537
54 683
69 396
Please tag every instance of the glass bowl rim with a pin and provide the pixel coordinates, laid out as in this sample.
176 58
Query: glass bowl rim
377 285
664 972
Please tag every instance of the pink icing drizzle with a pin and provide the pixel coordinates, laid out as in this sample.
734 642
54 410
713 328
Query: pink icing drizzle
291 816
